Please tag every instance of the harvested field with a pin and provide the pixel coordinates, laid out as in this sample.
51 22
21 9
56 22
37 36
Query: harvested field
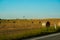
19 29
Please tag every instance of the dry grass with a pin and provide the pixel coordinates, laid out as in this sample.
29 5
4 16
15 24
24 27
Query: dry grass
23 33
15 29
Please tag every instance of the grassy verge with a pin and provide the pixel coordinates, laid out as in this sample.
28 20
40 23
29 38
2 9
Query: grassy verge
27 33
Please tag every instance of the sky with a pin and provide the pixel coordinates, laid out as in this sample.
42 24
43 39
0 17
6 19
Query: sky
29 9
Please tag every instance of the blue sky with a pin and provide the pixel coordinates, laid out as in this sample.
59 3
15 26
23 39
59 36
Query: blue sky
29 8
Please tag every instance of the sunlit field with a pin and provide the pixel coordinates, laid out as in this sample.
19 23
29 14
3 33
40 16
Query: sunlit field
14 34
21 29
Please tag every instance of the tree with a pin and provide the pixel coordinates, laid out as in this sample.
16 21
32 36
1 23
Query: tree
0 18
24 17
48 24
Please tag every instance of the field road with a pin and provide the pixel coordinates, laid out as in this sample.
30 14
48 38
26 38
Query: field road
55 36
